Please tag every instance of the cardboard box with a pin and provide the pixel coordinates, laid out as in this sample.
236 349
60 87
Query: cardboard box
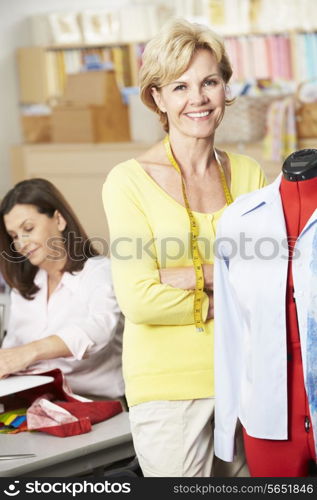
91 87
92 110
36 128
80 124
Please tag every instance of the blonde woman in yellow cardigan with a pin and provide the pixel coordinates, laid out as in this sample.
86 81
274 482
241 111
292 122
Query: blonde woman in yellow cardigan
162 250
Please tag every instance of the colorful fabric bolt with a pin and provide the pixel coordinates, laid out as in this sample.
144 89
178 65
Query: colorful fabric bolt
280 139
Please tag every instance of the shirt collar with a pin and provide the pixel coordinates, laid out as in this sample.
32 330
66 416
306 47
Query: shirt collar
69 280
267 195
262 196
40 278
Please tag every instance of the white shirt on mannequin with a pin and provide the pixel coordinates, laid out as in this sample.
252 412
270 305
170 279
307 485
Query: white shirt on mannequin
250 323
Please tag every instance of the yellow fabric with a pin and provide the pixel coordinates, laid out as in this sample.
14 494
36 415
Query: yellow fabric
163 355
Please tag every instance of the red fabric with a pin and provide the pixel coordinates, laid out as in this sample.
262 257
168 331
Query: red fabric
95 411
289 458
299 202
87 413
53 391
66 430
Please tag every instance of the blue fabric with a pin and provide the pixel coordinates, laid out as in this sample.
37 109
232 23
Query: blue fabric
311 356
18 421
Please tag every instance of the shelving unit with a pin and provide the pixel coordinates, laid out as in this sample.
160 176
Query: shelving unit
284 55
43 71
290 56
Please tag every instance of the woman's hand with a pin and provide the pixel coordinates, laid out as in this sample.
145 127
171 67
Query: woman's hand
208 270
15 359
185 278
210 313
179 277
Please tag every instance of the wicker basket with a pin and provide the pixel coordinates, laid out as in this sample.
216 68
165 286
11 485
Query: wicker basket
244 120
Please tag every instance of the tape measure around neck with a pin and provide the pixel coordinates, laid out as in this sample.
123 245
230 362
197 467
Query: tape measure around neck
199 289
223 179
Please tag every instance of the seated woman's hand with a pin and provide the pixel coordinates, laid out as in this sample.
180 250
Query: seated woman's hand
15 359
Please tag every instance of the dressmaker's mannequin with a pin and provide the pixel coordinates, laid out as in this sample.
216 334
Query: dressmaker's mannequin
293 457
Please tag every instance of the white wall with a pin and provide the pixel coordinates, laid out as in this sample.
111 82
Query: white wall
14 33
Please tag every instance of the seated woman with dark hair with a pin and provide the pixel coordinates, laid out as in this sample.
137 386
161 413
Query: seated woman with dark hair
63 313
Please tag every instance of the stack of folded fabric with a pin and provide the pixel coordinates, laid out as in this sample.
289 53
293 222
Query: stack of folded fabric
13 422
69 418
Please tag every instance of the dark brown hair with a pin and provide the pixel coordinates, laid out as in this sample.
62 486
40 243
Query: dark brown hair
18 272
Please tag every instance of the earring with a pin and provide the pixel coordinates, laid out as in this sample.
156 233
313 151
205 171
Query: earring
228 95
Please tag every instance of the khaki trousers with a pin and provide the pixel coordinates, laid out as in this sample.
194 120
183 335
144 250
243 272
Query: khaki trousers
175 439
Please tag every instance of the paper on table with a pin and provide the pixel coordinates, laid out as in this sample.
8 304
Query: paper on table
16 383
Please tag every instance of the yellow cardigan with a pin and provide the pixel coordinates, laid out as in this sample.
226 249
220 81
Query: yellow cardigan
163 355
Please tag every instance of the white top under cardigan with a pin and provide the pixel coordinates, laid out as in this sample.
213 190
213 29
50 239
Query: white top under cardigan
84 313
250 325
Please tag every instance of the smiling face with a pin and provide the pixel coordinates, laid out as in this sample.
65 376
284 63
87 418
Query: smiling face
34 235
195 102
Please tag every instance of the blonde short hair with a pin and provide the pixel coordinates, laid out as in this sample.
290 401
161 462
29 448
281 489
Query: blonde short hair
169 53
